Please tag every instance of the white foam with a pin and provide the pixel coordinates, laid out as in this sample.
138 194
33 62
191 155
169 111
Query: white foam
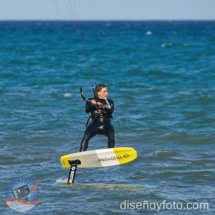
148 33
61 181
67 95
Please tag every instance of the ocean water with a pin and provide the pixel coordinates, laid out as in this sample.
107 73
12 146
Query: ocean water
161 76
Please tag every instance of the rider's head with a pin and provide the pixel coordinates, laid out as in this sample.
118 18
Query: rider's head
101 91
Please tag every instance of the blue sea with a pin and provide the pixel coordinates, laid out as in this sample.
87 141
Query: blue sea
161 76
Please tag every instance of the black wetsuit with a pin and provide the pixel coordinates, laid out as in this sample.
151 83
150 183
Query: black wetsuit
99 123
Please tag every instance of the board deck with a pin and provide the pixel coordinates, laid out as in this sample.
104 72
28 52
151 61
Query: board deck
101 157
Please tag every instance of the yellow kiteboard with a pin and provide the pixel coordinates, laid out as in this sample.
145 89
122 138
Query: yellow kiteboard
97 158
100 157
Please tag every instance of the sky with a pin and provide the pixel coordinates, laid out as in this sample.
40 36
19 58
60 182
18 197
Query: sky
107 9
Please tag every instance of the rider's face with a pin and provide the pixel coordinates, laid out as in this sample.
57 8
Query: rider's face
102 94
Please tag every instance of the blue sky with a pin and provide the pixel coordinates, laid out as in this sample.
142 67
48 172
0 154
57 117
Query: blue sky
107 9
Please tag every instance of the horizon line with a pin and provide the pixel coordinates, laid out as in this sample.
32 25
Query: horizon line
106 20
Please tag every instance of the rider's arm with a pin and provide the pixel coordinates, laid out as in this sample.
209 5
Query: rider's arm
90 106
108 109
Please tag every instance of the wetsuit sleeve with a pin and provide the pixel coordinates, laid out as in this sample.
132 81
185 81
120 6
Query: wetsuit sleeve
110 109
90 107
